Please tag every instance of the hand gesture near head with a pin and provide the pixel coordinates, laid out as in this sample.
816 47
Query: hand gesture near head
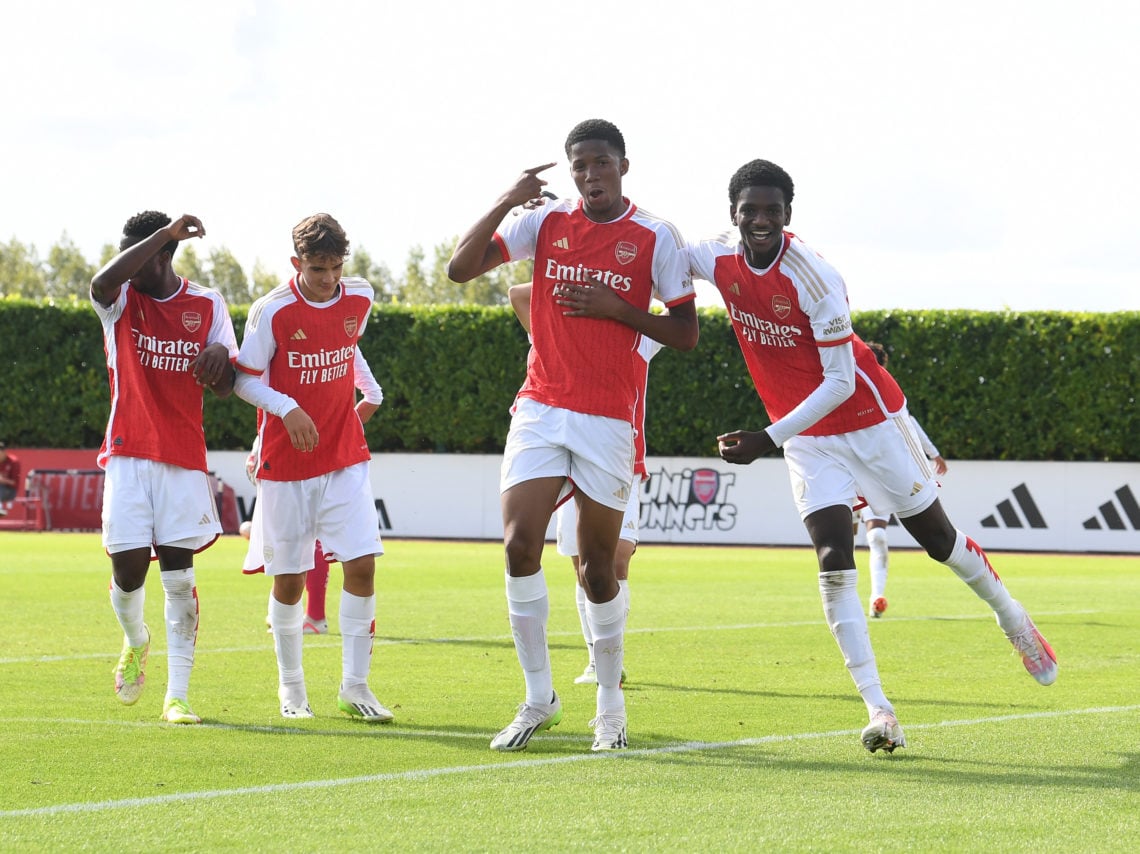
185 227
527 187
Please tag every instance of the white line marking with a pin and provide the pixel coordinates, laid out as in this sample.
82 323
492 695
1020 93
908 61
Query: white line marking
428 773
328 643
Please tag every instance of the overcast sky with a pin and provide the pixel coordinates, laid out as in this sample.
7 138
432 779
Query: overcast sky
946 155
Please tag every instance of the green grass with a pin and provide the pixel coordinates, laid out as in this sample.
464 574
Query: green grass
743 722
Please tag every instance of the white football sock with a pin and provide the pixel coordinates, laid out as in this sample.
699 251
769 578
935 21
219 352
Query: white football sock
607 625
357 629
528 607
970 564
848 626
181 612
128 608
879 559
287 640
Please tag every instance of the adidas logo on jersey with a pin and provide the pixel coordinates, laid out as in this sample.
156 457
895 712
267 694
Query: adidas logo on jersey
205 520
299 335
735 288
561 243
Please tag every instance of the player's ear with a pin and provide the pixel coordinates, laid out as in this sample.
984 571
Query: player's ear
624 167
787 214
296 262
732 214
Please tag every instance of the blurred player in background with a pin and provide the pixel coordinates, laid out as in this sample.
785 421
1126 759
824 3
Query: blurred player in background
313 483
572 429
9 478
166 339
874 525
841 421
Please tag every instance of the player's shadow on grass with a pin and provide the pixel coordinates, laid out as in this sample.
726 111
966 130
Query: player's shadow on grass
747 692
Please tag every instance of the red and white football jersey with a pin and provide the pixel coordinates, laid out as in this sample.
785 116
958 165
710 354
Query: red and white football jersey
156 404
584 364
782 316
306 350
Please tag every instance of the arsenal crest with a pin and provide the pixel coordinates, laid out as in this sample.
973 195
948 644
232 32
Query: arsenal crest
625 252
781 305
350 326
191 320
706 482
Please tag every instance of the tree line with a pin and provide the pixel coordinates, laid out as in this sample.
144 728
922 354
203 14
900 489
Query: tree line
65 273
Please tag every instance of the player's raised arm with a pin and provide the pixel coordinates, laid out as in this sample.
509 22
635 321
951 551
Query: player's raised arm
476 252
106 284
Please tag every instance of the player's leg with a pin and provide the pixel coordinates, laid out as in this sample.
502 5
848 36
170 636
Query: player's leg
349 530
933 530
527 508
180 611
186 521
128 598
824 490
284 526
566 541
316 589
128 531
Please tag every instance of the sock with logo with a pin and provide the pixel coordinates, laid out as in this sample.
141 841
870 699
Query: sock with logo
607 625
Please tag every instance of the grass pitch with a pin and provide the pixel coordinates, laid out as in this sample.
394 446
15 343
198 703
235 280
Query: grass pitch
743 722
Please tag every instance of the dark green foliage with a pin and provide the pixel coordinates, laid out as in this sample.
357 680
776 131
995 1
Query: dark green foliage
985 385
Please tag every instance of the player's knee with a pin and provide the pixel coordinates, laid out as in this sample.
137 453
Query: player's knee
524 554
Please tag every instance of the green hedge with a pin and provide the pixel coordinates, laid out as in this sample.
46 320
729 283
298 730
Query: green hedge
985 385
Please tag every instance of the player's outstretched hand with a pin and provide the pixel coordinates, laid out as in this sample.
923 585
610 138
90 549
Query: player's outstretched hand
743 446
185 227
302 430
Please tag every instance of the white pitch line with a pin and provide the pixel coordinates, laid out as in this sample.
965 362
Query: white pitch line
428 773
330 642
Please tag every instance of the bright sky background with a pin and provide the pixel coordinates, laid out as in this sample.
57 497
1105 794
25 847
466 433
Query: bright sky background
946 155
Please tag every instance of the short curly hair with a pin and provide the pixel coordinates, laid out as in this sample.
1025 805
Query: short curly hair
320 234
760 173
596 129
143 225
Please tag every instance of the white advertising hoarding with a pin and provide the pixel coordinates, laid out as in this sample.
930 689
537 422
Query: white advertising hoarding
1064 507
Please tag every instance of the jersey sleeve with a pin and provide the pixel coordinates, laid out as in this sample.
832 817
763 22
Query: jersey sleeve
671 277
222 327
517 235
702 259
365 380
257 345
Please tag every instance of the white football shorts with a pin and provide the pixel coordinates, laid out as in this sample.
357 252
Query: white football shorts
593 451
147 503
337 508
566 529
884 464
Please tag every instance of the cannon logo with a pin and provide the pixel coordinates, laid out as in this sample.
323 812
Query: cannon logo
688 500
